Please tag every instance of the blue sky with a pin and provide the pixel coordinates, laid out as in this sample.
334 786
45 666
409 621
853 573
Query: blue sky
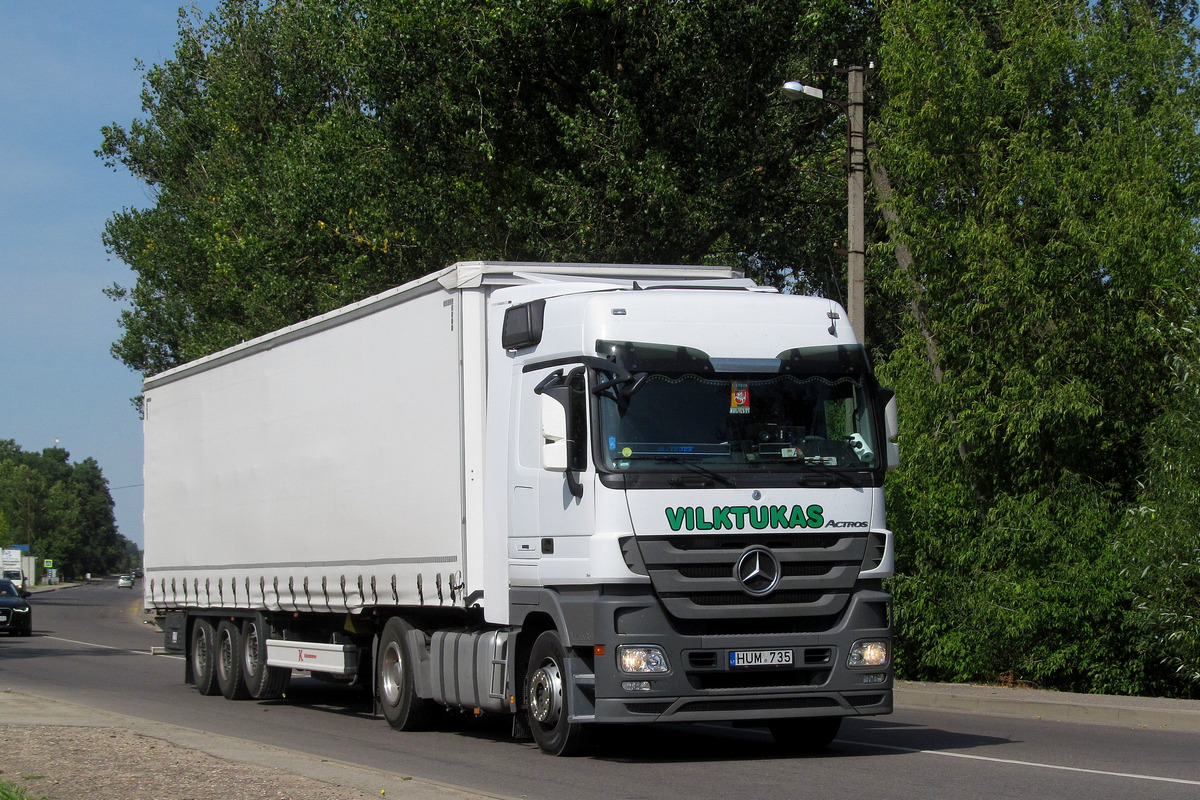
67 67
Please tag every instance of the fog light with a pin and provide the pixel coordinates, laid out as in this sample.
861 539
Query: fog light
633 659
635 686
870 653
874 677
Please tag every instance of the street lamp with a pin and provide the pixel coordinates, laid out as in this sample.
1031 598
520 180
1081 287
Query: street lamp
856 139
796 90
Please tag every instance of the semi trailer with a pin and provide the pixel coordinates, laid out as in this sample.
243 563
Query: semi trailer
576 494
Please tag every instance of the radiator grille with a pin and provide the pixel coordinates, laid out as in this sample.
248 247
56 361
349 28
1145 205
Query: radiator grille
695 576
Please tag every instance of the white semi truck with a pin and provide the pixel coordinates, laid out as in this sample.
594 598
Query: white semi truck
577 494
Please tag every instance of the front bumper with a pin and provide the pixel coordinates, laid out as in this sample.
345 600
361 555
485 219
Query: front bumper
701 685
14 620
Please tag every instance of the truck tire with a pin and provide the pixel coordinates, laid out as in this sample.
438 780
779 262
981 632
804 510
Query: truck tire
262 682
204 657
396 684
229 662
809 735
546 702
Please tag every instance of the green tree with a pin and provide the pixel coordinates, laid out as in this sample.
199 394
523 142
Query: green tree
23 495
131 556
1043 161
305 155
105 550
1161 541
63 511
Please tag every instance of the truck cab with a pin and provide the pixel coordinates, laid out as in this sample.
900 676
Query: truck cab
694 508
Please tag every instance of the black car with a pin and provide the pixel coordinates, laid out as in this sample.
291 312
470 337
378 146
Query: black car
16 618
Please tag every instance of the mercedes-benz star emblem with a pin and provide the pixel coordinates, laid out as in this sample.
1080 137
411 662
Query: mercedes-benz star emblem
758 571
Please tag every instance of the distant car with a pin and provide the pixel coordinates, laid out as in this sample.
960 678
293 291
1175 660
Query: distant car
125 582
16 619
136 572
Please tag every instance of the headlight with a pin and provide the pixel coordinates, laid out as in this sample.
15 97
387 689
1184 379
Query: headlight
635 659
869 653
19 610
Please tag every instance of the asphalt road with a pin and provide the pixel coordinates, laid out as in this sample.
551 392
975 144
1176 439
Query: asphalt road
91 647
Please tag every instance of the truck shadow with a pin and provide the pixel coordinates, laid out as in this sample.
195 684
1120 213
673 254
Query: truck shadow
661 744
718 743
342 699
858 738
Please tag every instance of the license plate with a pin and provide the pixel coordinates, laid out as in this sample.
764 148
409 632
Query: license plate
760 658
3 616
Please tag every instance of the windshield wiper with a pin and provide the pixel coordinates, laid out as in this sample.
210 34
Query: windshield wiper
822 475
697 468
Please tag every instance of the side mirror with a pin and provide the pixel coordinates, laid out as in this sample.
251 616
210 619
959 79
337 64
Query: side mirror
891 421
554 434
557 421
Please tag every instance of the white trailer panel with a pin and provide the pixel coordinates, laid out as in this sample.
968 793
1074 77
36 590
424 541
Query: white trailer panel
312 471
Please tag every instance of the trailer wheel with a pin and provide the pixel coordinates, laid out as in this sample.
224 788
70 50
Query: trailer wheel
395 679
204 657
229 662
809 735
262 682
546 703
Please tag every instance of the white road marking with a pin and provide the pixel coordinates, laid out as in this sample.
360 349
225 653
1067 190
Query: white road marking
108 647
1019 763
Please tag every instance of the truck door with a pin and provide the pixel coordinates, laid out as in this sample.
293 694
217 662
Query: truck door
551 507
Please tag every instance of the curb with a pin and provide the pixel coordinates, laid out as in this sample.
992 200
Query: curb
1132 712
53 587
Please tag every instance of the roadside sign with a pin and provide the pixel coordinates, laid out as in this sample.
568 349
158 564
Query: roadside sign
48 563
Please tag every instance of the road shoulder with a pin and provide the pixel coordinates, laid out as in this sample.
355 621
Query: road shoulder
1145 712
48 743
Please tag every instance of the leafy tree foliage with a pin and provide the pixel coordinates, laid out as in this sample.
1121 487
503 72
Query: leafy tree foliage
305 155
1044 159
1161 540
63 511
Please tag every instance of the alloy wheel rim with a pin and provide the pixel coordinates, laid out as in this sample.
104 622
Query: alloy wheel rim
393 673
545 694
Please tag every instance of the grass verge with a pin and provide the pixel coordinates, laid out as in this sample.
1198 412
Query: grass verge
10 791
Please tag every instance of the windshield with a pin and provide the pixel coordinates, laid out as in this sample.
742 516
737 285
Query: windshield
805 410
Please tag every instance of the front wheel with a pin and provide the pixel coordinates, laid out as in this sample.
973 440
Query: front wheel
395 678
546 702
